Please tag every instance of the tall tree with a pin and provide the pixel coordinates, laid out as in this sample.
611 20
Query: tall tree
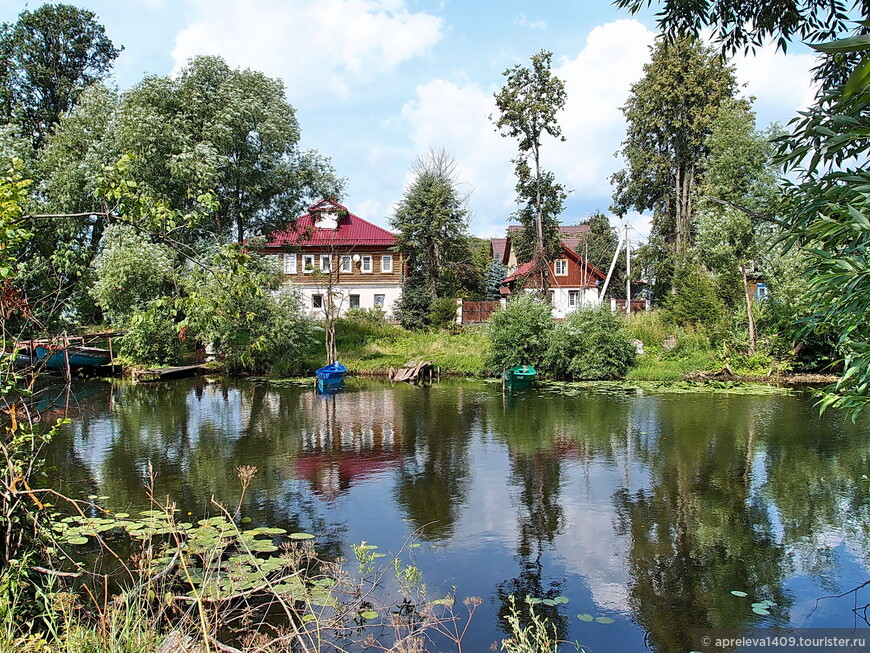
228 130
826 150
51 55
528 104
739 185
432 221
669 113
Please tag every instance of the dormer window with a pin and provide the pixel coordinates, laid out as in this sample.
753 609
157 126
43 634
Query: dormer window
326 220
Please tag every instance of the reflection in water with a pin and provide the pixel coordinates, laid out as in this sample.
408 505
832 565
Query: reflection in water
647 509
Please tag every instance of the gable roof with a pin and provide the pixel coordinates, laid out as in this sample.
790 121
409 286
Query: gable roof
499 248
572 235
526 268
351 230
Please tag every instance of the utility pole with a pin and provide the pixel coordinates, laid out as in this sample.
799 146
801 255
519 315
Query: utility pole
627 272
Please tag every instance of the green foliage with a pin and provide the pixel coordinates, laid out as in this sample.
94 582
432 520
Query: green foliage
375 316
670 113
519 334
432 221
527 104
51 55
152 336
13 192
413 309
537 635
496 272
590 345
600 246
694 300
235 303
131 272
443 313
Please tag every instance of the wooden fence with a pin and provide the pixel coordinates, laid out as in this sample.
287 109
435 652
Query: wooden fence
477 312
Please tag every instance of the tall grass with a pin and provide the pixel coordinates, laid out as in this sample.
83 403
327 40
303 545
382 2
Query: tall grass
690 349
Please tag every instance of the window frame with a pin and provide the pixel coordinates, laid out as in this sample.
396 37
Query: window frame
315 298
307 263
384 259
383 298
327 258
350 300
362 267
556 265
348 260
573 298
290 264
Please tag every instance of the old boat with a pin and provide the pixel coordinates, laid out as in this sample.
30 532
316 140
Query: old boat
519 376
331 375
58 357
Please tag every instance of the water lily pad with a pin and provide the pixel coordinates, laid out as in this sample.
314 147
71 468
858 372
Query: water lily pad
301 536
369 614
560 599
585 616
122 515
78 539
739 593
604 620
761 611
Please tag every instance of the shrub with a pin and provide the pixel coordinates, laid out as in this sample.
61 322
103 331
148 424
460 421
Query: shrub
590 345
519 333
694 300
414 306
152 337
131 272
374 316
443 313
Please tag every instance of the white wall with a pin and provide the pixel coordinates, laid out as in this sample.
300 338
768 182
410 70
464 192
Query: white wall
587 298
366 296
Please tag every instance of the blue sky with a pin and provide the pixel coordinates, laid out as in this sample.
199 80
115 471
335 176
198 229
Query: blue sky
377 83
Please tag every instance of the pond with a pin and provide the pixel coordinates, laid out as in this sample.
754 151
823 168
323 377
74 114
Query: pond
648 509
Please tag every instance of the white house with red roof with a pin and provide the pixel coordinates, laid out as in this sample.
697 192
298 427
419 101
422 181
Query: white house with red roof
330 247
573 281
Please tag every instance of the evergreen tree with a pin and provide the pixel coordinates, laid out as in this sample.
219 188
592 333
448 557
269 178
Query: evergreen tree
432 221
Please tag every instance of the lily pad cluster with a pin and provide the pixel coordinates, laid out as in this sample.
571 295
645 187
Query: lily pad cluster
760 607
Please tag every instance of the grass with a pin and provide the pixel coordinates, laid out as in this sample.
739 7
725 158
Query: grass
371 348
691 350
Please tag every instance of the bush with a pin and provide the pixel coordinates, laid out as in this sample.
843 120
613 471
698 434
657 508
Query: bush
414 306
374 316
443 313
131 272
694 300
590 345
519 334
152 337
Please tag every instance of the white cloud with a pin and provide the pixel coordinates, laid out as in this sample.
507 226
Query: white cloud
781 82
531 24
319 48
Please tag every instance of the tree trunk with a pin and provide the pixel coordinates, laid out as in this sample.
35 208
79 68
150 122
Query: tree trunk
540 258
749 315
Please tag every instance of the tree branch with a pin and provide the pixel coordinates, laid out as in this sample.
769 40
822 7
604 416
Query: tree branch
750 212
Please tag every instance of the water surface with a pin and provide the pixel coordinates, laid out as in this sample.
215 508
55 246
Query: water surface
647 509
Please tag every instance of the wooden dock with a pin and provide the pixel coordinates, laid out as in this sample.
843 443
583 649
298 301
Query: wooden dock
165 373
413 372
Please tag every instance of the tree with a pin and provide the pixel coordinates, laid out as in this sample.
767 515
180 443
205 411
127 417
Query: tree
829 218
519 334
669 113
51 54
739 173
432 221
528 103
228 130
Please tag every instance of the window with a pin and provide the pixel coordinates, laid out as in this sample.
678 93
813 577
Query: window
561 267
761 291
325 263
379 300
289 263
354 301
316 301
346 264
573 297
386 264
366 264
308 263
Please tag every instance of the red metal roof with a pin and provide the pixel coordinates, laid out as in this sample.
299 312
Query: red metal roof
351 230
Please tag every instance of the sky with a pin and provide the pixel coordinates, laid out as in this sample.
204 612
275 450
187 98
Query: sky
377 83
